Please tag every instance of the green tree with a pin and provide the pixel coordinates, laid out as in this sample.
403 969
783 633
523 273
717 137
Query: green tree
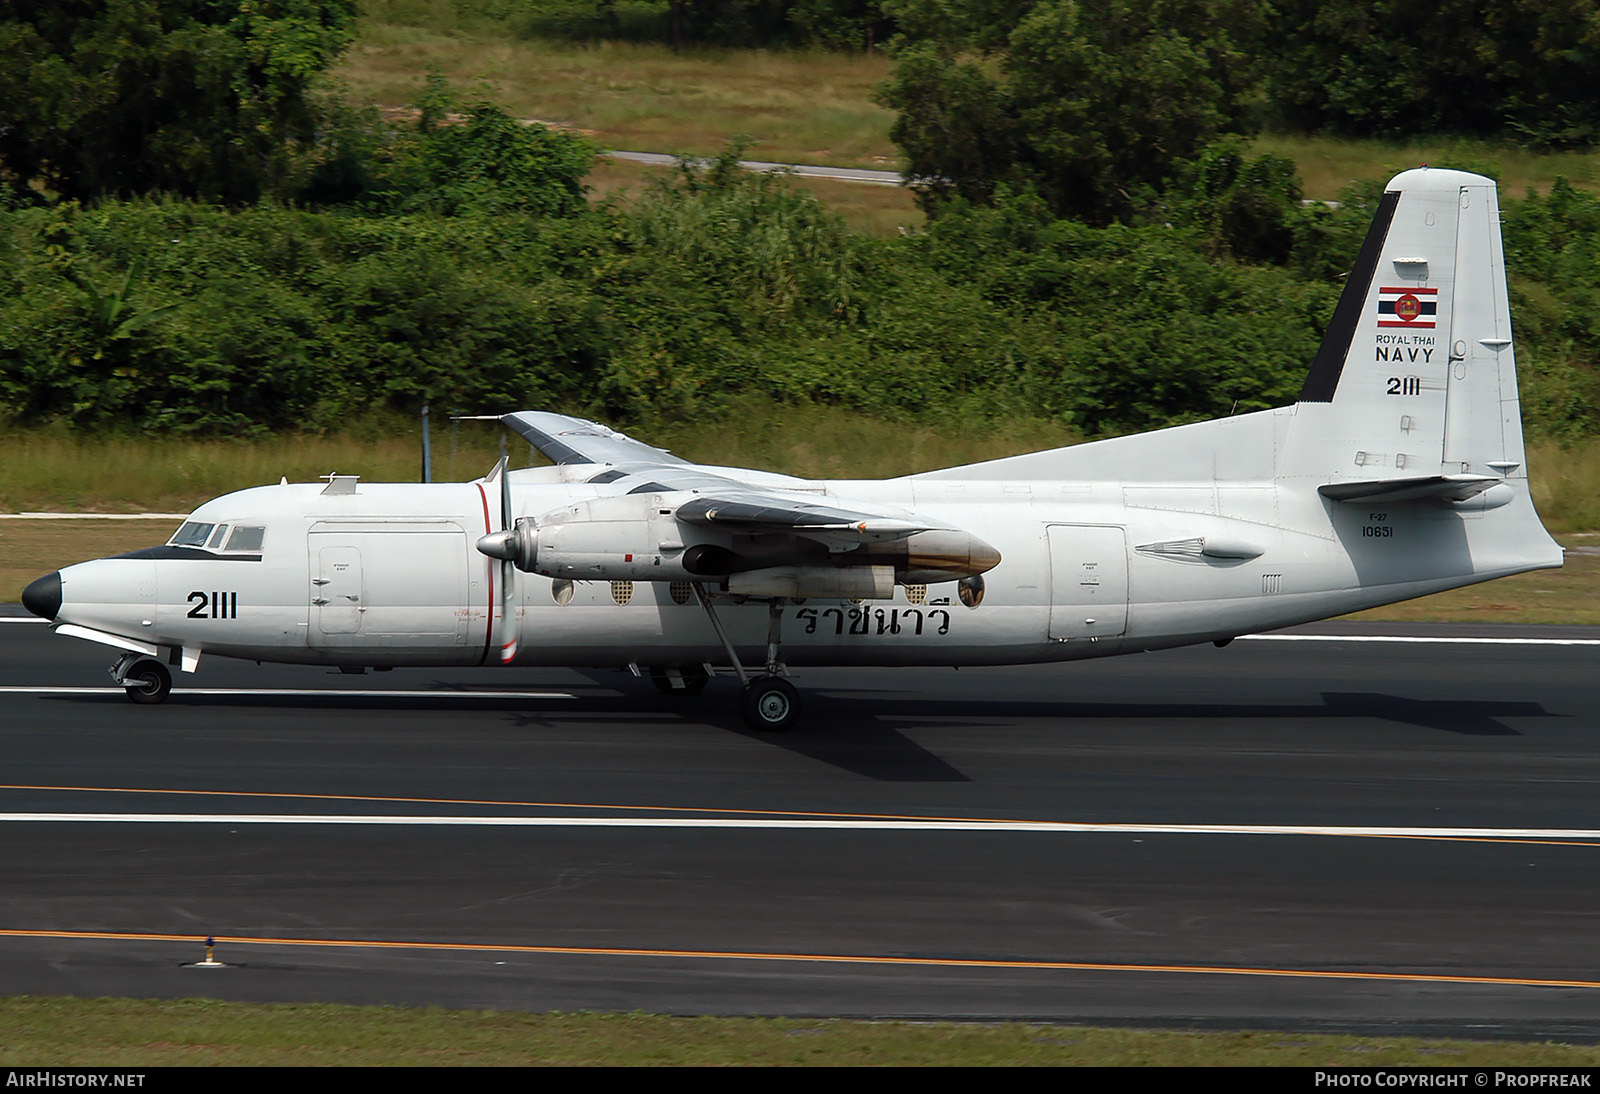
1247 207
204 98
1093 107
1522 68
477 159
953 121
842 24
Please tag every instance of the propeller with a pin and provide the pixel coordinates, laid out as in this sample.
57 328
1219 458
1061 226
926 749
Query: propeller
501 545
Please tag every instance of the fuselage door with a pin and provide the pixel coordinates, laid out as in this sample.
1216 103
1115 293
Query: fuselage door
1088 581
393 584
336 590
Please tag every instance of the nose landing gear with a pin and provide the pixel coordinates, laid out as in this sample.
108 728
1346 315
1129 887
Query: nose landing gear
145 679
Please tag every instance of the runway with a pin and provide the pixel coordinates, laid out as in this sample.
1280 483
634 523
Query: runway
1397 836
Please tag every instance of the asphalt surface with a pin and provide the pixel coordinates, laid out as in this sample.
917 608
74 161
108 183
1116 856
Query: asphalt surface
653 854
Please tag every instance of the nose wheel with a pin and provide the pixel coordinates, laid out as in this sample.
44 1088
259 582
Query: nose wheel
146 680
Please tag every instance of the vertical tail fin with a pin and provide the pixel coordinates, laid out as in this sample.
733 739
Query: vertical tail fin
1415 377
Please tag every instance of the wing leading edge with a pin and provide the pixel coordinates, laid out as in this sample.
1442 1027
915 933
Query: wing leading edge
565 440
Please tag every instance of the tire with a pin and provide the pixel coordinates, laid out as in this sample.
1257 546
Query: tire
692 680
147 681
770 703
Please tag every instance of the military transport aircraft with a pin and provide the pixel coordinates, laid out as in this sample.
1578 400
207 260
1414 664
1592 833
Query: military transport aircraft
1400 471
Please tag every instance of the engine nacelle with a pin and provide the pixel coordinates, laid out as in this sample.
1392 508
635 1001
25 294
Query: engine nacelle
843 582
939 554
629 538
637 537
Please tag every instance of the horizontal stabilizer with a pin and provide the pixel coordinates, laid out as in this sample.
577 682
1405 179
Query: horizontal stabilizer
1444 487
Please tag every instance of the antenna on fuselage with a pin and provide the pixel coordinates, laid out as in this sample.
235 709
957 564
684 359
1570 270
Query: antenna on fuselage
533 451
340 484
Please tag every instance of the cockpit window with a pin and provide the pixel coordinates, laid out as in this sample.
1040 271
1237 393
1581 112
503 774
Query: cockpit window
191 534
222 538
246 537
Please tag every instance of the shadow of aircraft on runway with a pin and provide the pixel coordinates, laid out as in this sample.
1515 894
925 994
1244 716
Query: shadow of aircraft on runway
1464 716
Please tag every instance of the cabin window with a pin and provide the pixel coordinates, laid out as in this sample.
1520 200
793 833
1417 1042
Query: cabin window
246 537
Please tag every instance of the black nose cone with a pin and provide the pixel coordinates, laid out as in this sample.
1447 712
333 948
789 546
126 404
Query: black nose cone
43 597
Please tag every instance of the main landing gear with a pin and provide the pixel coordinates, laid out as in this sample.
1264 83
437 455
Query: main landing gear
145 679
769 701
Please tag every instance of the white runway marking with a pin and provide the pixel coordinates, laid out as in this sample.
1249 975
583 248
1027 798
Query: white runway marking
1440 640
94 516
853 825
441 693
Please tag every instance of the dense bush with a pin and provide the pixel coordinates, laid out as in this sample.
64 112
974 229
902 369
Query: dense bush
257 257
177 316
1553 258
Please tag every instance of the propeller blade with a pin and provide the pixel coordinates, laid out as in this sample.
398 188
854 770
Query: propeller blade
509 625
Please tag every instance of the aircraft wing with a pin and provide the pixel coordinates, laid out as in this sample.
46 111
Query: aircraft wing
719 501
565 440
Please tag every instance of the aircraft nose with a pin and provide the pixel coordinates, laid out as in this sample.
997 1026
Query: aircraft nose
43 596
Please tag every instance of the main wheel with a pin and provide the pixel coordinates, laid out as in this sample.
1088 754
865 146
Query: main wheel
691 680
147 681
770 702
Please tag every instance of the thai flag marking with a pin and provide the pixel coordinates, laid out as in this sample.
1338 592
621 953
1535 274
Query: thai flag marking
1402 307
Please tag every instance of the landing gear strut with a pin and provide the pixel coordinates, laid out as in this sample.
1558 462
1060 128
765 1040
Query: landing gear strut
145 679
769 701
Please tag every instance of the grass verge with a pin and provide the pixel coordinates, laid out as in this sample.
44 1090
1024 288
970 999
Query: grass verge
795 106
59 471
1328 164
136 1033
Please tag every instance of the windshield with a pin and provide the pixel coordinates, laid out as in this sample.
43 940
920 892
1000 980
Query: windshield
220 538
191 534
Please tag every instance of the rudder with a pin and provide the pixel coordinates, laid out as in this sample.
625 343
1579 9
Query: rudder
1415 377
